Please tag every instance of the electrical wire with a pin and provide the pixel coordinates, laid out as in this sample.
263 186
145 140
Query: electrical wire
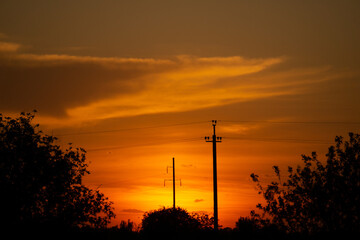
144 145
131 129
287 140
126 180
290 122
200 122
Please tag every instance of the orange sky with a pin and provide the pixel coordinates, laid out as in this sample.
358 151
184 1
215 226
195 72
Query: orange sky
136 83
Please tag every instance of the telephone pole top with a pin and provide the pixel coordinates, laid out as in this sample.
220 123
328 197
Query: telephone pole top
214 140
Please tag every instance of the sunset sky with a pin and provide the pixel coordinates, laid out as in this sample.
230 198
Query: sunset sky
137 82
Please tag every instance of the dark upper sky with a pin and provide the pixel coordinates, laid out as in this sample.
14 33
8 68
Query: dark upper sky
316 30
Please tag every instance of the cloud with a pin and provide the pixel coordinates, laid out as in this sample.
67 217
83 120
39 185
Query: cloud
199 200
8 47
187 165
238 128
74 89
198 83
53 83
131 210
195 83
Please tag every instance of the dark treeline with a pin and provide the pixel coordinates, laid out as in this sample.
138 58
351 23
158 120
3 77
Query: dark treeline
42 196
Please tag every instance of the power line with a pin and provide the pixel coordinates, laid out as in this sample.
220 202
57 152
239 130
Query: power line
144 145
200 122
131 129
283 140
287 140
124 181
292 122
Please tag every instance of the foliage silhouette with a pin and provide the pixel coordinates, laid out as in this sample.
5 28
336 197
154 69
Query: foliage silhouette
255 228
40 183
206 222
128 226
247 225
317 197
170 222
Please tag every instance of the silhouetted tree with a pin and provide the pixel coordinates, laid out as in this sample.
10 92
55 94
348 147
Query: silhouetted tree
170 223
254 227
127 226
317 197
206 222
40 184
247 225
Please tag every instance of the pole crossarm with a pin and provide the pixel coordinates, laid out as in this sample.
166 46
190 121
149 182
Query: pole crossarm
218 139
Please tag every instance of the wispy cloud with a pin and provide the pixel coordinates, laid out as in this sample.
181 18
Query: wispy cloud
132 210
74 89
8 46
190 83
187 165
238 128
198 83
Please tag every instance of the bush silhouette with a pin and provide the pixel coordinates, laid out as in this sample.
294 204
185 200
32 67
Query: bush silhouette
247 225
40 183
317 197
174 223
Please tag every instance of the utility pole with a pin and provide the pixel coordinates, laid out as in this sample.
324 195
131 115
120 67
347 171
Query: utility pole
214 140
173 180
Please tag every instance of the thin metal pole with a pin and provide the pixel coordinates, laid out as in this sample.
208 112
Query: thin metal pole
174 181
215 183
